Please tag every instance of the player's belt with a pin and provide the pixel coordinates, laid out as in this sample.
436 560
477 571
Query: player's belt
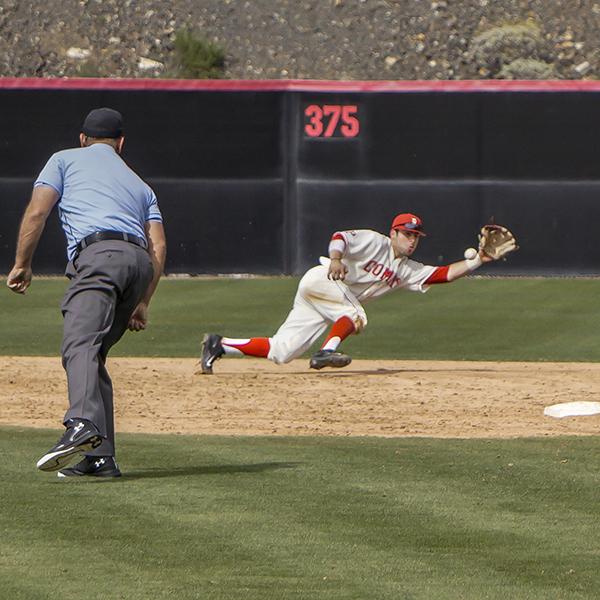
102 236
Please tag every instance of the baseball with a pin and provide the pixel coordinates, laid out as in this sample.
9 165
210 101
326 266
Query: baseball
470 253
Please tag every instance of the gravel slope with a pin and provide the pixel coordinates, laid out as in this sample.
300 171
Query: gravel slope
321 39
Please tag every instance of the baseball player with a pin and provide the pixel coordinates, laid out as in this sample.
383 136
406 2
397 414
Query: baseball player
116 251
362 265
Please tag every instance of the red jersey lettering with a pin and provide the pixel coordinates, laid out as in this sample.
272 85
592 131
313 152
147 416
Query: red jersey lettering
382 272
387 274
369 265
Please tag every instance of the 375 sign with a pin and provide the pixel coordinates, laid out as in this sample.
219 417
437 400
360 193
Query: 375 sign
323 121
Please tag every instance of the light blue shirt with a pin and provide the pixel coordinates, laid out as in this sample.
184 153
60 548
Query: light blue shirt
98 192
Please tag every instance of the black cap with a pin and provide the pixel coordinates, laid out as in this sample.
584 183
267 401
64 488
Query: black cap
103 123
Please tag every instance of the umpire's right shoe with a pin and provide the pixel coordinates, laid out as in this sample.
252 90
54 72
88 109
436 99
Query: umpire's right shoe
81 436
329 358
93 466
212 349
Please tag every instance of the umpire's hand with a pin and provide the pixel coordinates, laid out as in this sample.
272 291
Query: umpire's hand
139 318
19 279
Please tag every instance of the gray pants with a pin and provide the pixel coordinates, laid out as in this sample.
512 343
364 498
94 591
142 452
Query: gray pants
108 279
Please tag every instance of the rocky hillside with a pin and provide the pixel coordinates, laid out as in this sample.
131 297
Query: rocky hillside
316 39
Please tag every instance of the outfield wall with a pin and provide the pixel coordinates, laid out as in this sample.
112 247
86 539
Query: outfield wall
253 176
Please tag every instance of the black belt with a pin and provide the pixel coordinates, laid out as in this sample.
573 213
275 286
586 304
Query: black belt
101 236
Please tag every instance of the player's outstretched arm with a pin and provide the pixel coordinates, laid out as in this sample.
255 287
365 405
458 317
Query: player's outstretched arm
34 220
465 267
495 242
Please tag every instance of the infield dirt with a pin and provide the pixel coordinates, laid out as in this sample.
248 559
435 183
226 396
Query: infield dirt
255 397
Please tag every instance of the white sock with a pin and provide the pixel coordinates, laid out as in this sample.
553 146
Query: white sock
332 344
229 345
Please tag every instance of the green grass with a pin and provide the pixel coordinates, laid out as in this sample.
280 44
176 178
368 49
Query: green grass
473 319
316 518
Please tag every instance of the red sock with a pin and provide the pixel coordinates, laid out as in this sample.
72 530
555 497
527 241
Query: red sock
339 331
251 347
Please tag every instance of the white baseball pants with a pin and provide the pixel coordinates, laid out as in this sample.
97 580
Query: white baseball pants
319 302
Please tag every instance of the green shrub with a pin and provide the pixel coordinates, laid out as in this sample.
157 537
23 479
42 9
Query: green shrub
527 68
513 51
507 42
196 57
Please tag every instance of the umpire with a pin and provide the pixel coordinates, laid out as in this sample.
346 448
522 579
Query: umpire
116 249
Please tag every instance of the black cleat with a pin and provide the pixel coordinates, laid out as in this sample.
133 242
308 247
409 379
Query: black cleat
329 358
81 436
212 349
93 466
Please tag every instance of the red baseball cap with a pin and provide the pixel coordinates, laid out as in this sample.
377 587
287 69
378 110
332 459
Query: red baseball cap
408 222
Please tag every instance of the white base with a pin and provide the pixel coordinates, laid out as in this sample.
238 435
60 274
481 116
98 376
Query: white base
572 409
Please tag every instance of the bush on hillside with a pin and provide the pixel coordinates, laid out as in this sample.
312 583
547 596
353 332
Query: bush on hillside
527 68
513 51
196 57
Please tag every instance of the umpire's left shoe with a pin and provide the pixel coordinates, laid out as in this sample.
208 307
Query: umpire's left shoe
329 358
93 466
212 349
81 436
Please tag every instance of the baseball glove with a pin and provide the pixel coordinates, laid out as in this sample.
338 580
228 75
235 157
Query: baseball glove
496 241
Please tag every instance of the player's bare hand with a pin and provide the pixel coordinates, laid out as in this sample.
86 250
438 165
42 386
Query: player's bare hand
337 270
19 279
139 319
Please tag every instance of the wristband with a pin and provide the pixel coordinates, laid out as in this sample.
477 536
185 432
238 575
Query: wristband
337 245
473 263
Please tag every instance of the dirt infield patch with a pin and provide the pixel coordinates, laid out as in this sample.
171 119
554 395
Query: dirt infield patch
255 397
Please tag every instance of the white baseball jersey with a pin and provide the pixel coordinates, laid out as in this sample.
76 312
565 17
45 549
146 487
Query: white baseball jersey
373 270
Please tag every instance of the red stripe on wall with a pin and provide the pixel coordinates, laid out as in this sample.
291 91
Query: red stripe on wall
299 85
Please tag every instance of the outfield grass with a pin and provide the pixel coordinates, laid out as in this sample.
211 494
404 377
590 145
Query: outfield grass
238 518
313 518
473 319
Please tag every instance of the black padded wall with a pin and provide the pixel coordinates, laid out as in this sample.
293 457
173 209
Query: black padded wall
256 181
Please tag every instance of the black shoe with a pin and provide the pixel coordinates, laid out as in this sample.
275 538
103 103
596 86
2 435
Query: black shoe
81 436
329 358
212 349
94 466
